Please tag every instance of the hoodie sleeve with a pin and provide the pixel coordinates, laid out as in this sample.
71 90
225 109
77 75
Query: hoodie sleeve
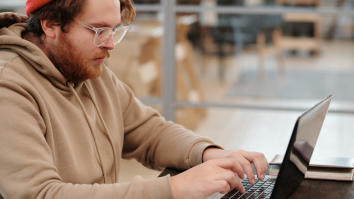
27 169
157 143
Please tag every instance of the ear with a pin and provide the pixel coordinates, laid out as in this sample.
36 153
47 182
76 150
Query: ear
50 28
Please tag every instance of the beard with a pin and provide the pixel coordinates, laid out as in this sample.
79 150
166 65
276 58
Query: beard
72 64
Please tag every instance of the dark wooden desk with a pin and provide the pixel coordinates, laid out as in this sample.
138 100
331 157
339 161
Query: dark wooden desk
311 189
322 189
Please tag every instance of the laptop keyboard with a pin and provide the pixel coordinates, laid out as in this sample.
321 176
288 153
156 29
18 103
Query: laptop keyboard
262 189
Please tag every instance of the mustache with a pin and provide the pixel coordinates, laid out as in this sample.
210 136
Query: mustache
104 54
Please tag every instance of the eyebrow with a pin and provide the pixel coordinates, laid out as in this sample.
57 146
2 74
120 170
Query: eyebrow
102 24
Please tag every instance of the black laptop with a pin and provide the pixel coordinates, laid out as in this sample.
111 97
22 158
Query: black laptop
302 142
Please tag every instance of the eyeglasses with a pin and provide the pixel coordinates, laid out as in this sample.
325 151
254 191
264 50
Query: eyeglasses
103 34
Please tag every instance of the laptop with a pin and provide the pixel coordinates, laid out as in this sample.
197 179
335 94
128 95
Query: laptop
298 154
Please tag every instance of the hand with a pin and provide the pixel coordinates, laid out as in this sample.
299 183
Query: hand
199 182
243 158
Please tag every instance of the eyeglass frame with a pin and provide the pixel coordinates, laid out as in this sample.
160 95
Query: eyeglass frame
97 31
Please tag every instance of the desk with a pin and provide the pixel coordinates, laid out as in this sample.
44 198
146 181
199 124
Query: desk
269 132
321 189
314 189
257 130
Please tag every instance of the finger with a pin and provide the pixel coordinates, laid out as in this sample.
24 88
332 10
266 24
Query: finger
234 181
231 164
228 175
222 186
246 165
260 163
261 167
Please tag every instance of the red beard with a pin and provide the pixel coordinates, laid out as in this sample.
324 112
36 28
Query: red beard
71 64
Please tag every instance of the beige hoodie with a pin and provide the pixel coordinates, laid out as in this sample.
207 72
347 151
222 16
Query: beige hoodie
59 140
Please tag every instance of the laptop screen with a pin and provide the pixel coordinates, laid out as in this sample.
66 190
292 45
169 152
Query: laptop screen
298 154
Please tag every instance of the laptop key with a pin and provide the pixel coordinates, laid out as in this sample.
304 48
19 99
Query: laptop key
230 194
261 189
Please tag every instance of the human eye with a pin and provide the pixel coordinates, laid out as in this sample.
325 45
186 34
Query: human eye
104 32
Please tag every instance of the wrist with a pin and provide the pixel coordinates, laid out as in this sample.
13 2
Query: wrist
174 187
211 153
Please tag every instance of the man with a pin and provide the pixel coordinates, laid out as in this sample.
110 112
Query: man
66 120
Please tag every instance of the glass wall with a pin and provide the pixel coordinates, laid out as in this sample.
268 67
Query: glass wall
254 54
265 55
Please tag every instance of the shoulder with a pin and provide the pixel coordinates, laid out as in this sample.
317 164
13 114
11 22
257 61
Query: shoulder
13 68
11 65
16 76
6 58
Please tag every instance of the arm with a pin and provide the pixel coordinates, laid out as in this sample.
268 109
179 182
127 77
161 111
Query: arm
155 142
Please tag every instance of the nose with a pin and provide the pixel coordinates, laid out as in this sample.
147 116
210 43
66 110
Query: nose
109 44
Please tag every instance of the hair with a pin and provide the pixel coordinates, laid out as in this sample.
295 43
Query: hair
64 12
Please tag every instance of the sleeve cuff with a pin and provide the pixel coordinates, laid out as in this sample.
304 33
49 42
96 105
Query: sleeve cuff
195 156
158 188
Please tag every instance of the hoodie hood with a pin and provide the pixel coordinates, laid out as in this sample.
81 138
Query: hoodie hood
11 27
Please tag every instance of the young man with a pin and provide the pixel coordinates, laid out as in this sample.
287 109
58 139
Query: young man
66 120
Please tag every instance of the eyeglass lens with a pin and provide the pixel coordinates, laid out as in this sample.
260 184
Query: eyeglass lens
117 36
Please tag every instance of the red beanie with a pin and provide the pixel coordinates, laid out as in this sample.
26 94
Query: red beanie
33 5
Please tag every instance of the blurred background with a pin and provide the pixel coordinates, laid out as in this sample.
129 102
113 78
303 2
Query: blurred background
231 69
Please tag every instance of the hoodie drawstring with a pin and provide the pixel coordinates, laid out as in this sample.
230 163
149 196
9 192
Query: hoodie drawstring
71 86
89 89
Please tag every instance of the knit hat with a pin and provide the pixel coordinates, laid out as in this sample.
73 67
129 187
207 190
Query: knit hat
33 5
